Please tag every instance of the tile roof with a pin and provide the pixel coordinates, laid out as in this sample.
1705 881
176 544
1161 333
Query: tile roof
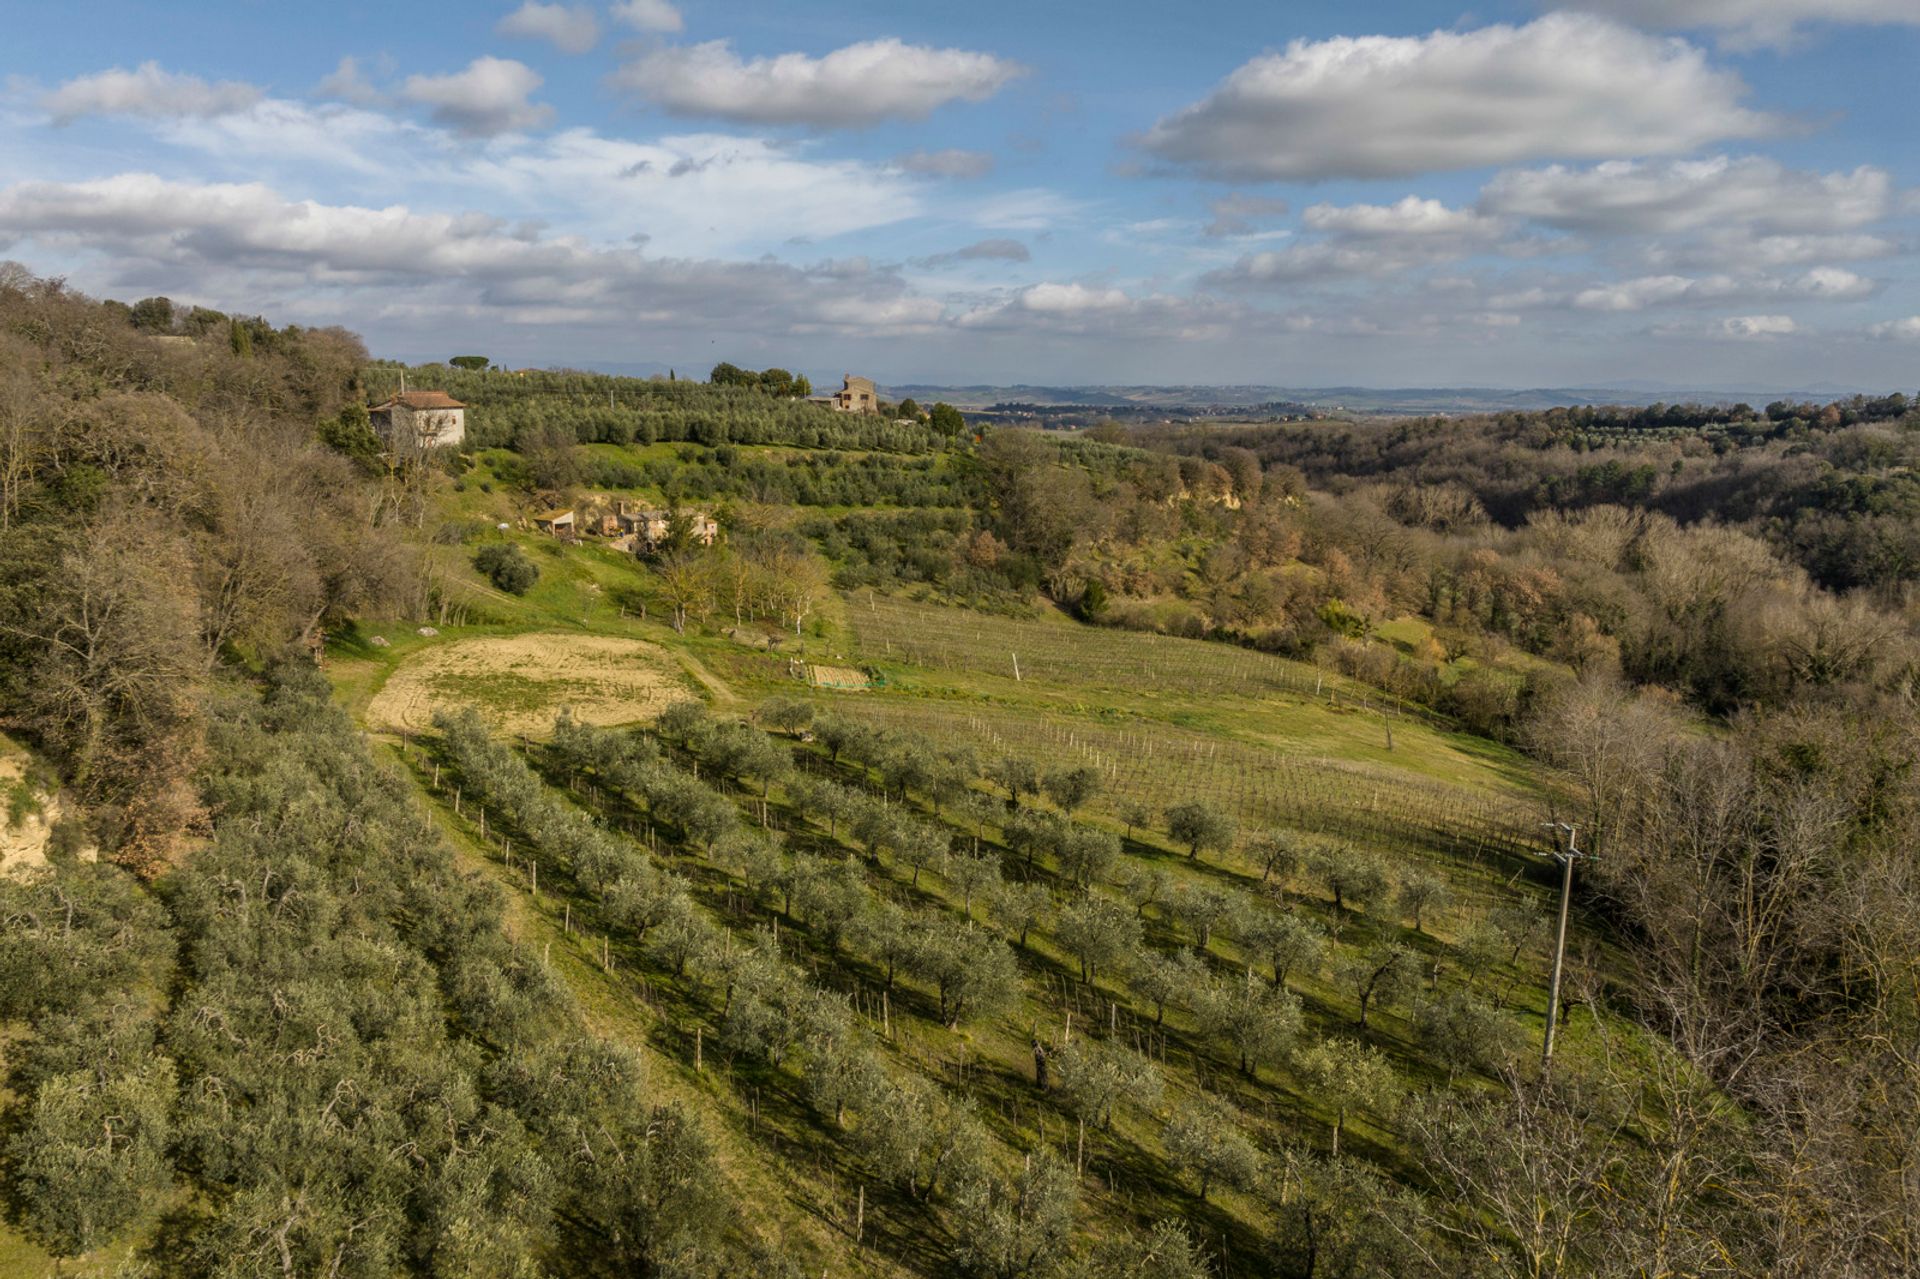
423 400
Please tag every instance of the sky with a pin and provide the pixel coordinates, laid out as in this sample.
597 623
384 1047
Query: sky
1688 193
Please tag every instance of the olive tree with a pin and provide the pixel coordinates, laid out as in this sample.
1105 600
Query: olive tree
1420 892
90 1153
1098 932
1200 826
1020 907
1351 877
1085 854
1008 1228
1259 1020
1347 1077
1277 852
1162 979
1286 940
1377 976
1202 909
1016 775
1208 1139
1071 788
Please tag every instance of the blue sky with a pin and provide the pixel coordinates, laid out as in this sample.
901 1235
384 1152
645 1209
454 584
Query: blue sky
1693 192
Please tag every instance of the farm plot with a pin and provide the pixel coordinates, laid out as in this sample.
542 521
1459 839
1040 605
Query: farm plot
1159 764
937 638
518 682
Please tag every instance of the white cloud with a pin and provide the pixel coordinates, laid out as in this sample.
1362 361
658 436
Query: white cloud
147 90
1568 85
1822 284
349 84
1734 328
1370 240
1758 326
1628 197
859 85
950 163
1737 249
489 97
1907 330
694 193
649 15
1410 216
571 29
247 242
1104 311
1755 22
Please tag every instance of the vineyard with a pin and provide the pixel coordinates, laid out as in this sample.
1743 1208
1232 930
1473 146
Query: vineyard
1152 764
891 628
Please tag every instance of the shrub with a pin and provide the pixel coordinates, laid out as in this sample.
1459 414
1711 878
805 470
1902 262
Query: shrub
507 567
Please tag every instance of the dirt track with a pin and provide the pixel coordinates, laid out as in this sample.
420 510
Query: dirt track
520 682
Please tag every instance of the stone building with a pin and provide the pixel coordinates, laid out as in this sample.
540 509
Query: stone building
856 395
420 419
649 528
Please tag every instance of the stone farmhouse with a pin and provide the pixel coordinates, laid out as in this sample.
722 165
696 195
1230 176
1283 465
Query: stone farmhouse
420 419
649 528
856 395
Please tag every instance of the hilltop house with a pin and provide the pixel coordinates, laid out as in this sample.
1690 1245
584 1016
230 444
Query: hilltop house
420 419
856 395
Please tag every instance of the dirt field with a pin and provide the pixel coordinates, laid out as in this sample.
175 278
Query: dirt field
840 677
520 682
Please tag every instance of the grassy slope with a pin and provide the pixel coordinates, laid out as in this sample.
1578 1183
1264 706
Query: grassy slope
1143 707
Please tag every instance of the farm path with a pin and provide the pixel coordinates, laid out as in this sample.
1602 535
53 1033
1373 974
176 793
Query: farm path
723 694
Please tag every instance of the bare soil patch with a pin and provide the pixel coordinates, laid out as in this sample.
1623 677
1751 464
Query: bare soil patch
842 677
520 682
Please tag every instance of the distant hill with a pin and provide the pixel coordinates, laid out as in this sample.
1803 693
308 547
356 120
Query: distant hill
1353 399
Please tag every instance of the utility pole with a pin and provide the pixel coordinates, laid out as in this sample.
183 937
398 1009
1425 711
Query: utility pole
1566 857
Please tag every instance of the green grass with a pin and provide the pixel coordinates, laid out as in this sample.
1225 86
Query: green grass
1162 719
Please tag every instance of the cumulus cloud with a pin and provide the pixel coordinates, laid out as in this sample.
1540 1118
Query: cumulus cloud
489 97
1628 197
1907 330
1566 85
1370 240
248 240
649 15
571 29
1755 22
859 85
949 163
349 84
1237 214
147 90
1411 216
996 250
